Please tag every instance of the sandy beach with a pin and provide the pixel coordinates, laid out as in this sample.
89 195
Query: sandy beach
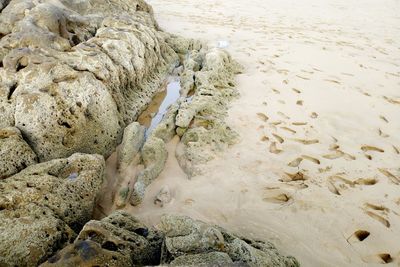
316 170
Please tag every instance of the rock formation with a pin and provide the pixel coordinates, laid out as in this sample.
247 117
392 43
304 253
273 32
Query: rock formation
121 240
43 207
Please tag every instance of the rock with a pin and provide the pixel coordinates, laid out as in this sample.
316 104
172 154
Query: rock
15 153
132 142
154 155
211 259
201 121
45 205
117 240
73 74
185 236
163 197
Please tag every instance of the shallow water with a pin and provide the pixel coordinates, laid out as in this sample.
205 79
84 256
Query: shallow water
156 110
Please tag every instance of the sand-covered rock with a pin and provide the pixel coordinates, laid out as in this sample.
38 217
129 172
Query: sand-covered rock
45 205
15 153
117 240
73 74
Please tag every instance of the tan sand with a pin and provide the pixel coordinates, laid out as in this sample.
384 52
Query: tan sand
318 166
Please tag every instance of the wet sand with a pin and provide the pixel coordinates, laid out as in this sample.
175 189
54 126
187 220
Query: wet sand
317 168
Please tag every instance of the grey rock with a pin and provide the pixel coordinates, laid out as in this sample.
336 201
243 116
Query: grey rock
211 259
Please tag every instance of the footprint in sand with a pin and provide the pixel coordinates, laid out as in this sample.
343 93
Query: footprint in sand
314 115
291 177
367 148
337 184
299 102
306 142
382 133
384 119
264 139
358 236
396 150
288 129
313 160
279 138
381 258
283 115
296 90
393 178
262 116
273 148
276 195
378 212
295 163
299 123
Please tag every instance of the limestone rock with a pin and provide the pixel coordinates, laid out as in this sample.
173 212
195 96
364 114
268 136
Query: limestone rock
15 153
201 120
185 236
43 206
117 240
73 74
154 155
132 142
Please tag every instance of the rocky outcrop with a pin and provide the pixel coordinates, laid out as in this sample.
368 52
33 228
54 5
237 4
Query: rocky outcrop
199 243
44 206
117 240
15 153
121 240
200 120
73 74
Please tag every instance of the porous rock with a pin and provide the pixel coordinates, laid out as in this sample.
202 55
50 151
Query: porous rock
15 153
130 146
73 74
45 205
117 240
154 156
185 236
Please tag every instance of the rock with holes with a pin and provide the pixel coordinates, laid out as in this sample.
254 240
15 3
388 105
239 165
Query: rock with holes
117 240
201 119
187 237
154 155
73 74
15 153
132 142
44 206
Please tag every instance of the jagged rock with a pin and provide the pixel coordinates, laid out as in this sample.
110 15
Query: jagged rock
185 236
45 205
200 120
132 142
73 74
154 156
117 240
15 153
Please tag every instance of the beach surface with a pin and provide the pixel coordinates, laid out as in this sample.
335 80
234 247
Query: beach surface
317 167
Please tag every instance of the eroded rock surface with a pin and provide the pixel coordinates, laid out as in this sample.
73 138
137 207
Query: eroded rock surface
15 153
117 240
121 240
194 241
44 206
73 74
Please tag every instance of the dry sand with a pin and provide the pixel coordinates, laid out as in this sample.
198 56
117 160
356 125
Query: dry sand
317 168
